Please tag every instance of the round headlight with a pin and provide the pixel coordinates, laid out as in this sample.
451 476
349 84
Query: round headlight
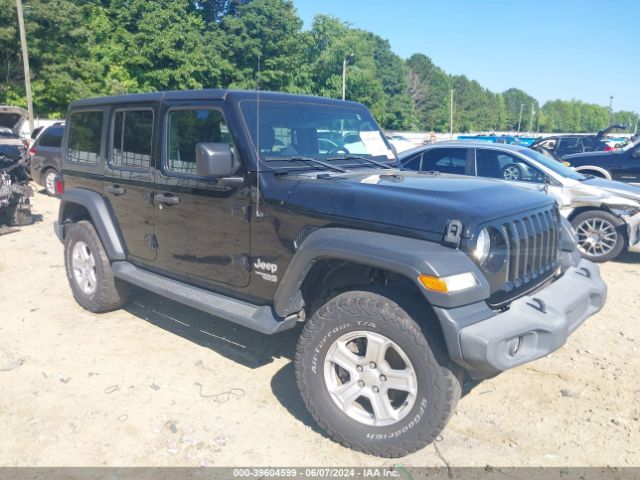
483 246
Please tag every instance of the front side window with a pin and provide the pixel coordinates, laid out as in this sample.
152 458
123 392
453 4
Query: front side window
445 160
85 133
502 165
414 162
131 138
187 128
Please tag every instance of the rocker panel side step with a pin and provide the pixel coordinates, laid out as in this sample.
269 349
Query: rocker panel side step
259 318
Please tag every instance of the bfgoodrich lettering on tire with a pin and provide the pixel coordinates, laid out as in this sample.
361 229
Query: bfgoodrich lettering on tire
370 377
89 270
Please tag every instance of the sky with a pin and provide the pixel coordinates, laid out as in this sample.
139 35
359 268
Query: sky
583 49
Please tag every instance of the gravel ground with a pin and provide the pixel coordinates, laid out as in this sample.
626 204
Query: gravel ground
160 384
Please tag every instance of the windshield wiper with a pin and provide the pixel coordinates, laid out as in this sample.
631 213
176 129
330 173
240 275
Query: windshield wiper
297 158
357 157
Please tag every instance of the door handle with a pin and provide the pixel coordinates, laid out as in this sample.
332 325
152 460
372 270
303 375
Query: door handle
167 199
116 190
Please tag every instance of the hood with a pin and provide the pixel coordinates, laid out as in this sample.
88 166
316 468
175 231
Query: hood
412 200
12 117
604 131
598 192
618 189
577 157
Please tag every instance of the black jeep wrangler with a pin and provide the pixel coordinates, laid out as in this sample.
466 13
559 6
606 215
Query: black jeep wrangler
270 210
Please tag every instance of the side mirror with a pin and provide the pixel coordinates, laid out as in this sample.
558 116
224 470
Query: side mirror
214 160
636 153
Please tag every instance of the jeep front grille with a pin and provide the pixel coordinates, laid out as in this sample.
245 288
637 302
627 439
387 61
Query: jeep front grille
531 253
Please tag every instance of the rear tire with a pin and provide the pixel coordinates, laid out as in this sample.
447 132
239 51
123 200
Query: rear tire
89 270
600 235
355 404
49 180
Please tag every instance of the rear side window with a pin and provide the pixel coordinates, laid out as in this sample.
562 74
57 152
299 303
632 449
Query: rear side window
131 138
85 132
445 160
51 137
187 128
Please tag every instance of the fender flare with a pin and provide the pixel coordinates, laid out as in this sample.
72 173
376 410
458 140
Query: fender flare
101 217
601 170
406 256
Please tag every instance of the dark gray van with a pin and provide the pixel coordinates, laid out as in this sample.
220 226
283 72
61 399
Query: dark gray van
46 157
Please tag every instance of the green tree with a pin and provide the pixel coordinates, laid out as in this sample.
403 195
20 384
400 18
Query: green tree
271 30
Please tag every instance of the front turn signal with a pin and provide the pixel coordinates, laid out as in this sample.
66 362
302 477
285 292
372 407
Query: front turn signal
452 283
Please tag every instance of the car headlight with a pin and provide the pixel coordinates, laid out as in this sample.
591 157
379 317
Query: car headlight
483 246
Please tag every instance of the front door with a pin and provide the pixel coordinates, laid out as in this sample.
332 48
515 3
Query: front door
202 224
627 166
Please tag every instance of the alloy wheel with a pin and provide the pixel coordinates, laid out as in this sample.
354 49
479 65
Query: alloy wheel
370 378
596 236
83 265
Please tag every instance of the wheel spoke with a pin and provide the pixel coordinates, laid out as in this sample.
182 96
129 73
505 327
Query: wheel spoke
84 282
343 357
402 380
382 408
376 349
348 393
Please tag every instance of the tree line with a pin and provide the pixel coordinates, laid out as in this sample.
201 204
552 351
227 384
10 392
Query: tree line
83 48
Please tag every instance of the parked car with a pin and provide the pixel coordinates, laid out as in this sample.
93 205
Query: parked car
562 145
622 164
46 158
402 280
605 214
15 193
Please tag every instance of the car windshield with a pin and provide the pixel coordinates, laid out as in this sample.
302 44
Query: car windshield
551 164
288 132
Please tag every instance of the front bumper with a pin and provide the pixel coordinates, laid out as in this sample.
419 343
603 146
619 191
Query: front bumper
633 231
533 326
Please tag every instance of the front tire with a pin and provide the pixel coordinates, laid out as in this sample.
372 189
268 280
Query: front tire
370 377
512 172
600 236
89 270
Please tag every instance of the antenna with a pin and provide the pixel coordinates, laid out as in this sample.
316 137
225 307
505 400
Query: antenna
258 212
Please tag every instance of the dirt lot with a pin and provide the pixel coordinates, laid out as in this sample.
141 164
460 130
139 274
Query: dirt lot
160 384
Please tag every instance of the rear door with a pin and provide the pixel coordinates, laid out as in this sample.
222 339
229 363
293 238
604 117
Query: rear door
202 224
452 160
129 177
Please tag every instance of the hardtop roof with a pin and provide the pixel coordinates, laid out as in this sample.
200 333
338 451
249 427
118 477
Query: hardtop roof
204 94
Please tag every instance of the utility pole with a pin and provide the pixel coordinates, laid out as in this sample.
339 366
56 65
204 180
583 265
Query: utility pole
25 63
610 105
531 119
520 117
635 130
451 116
345 61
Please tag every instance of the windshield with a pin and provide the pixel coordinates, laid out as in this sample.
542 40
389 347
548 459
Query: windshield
289 130
554 165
